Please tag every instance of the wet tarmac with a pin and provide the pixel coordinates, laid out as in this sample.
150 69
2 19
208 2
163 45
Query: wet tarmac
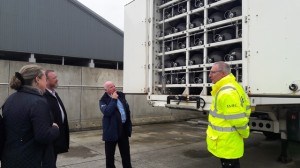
172 145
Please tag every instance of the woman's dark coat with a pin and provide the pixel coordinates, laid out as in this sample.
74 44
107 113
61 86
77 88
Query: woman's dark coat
28 129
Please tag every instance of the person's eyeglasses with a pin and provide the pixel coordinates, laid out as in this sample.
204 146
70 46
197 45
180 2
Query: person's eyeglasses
213 72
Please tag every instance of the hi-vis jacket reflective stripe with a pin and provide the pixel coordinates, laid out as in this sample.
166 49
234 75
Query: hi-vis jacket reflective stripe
228 119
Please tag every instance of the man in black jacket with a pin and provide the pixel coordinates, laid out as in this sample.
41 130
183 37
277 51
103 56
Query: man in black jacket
61 144
116 125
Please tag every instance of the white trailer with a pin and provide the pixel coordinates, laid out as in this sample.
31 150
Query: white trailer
170 46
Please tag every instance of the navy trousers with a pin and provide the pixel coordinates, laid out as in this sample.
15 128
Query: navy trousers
124 148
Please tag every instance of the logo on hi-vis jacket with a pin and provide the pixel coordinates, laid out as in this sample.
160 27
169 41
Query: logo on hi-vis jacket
231 105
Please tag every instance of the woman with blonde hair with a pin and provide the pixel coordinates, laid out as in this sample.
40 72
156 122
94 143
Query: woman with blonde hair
27 121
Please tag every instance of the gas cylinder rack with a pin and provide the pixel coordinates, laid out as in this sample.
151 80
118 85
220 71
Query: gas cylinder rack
190 35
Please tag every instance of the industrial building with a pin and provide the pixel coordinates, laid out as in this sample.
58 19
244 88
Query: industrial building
63 32
83 48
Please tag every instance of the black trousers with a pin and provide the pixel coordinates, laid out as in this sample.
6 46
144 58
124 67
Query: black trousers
124 148
230 163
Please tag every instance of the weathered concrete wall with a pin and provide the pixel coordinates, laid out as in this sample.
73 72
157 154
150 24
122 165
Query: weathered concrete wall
4 78
80 89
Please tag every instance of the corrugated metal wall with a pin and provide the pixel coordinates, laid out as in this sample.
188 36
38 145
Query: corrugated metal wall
58 27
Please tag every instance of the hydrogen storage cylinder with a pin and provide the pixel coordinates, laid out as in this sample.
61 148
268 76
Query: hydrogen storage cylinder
191 40
215 17
168 63
180 27
197 4
235 54
180 61
196 22
196 77
234 12
196 59
215 56
226 34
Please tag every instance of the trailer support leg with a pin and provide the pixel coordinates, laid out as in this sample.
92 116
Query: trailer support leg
284 158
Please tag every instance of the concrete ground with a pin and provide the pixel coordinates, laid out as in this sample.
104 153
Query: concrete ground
171 145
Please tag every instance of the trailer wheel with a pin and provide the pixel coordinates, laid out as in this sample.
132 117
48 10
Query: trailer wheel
271 135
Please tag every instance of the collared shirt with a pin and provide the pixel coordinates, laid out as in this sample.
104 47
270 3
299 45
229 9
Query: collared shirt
122 111
61 110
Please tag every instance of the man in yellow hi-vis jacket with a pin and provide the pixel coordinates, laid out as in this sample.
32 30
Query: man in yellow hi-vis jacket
228 117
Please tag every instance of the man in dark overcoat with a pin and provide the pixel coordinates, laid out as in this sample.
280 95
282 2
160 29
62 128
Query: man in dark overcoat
61 144
116 124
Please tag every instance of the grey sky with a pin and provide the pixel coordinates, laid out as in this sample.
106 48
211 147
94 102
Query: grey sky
111 10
